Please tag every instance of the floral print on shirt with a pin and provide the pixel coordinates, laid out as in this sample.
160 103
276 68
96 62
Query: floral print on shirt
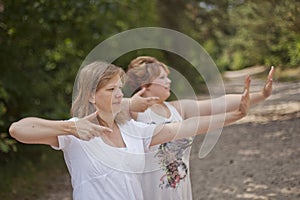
170 159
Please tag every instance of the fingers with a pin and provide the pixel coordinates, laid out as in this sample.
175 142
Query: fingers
96 131
271 73
151 100
244 105
270 76
268 84
247 83
138 103
247 86
267 90
245 93
245 99
91 131
89 127
148 99
141 92
99 130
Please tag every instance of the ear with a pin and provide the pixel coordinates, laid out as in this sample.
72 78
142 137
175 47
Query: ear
92 98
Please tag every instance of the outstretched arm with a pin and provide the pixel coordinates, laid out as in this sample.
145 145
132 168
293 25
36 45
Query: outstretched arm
202 124
226 103
34 130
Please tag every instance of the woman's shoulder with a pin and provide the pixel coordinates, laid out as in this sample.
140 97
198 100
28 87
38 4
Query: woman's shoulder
137 129
134 124
175 108
73 119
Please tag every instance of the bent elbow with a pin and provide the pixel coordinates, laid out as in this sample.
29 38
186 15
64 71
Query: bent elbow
16 131
13 130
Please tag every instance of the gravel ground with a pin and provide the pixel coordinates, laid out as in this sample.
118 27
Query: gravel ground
258 157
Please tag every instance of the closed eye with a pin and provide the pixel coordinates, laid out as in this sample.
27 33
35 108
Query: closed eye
114 88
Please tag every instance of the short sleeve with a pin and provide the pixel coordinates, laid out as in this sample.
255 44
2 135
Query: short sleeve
64 140
140 131
147 131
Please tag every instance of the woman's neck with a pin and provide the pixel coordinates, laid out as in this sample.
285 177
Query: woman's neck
161 109
106 119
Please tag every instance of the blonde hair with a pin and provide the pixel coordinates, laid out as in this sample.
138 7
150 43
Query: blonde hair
142 71
90 79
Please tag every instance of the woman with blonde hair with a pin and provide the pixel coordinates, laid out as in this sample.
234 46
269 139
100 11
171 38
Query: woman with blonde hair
103 149
171 180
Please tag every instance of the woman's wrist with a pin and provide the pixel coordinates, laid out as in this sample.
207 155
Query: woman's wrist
234 116
69 128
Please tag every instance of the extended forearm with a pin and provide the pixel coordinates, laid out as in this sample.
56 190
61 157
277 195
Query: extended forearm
36 130
226 103
194 126
200 125
233 101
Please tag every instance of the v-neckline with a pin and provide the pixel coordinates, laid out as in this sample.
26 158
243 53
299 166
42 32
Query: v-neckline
162 117
122 138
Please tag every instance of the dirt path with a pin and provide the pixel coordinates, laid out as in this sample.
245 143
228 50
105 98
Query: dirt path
257 158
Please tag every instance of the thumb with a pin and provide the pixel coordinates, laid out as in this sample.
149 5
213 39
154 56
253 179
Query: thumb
141 92
92 116
247 83
245 92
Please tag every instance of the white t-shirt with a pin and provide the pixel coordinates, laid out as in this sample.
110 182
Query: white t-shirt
169 177
100 171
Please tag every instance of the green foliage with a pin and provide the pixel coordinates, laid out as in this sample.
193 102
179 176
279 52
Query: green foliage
245 33
7 144
42 45
263 34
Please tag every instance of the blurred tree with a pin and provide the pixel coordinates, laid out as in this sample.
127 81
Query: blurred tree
173 14
265 32
238 34
43 43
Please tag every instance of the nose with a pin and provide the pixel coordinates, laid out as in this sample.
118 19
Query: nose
168 80
119 93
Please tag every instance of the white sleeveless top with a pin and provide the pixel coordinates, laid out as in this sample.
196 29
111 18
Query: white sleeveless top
100 171
171 178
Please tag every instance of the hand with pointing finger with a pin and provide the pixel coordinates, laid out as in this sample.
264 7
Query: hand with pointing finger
88 128
139 103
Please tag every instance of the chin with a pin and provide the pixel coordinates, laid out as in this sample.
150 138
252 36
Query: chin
164 98
116 110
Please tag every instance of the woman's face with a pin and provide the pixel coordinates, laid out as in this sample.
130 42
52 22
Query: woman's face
160 86
108 98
